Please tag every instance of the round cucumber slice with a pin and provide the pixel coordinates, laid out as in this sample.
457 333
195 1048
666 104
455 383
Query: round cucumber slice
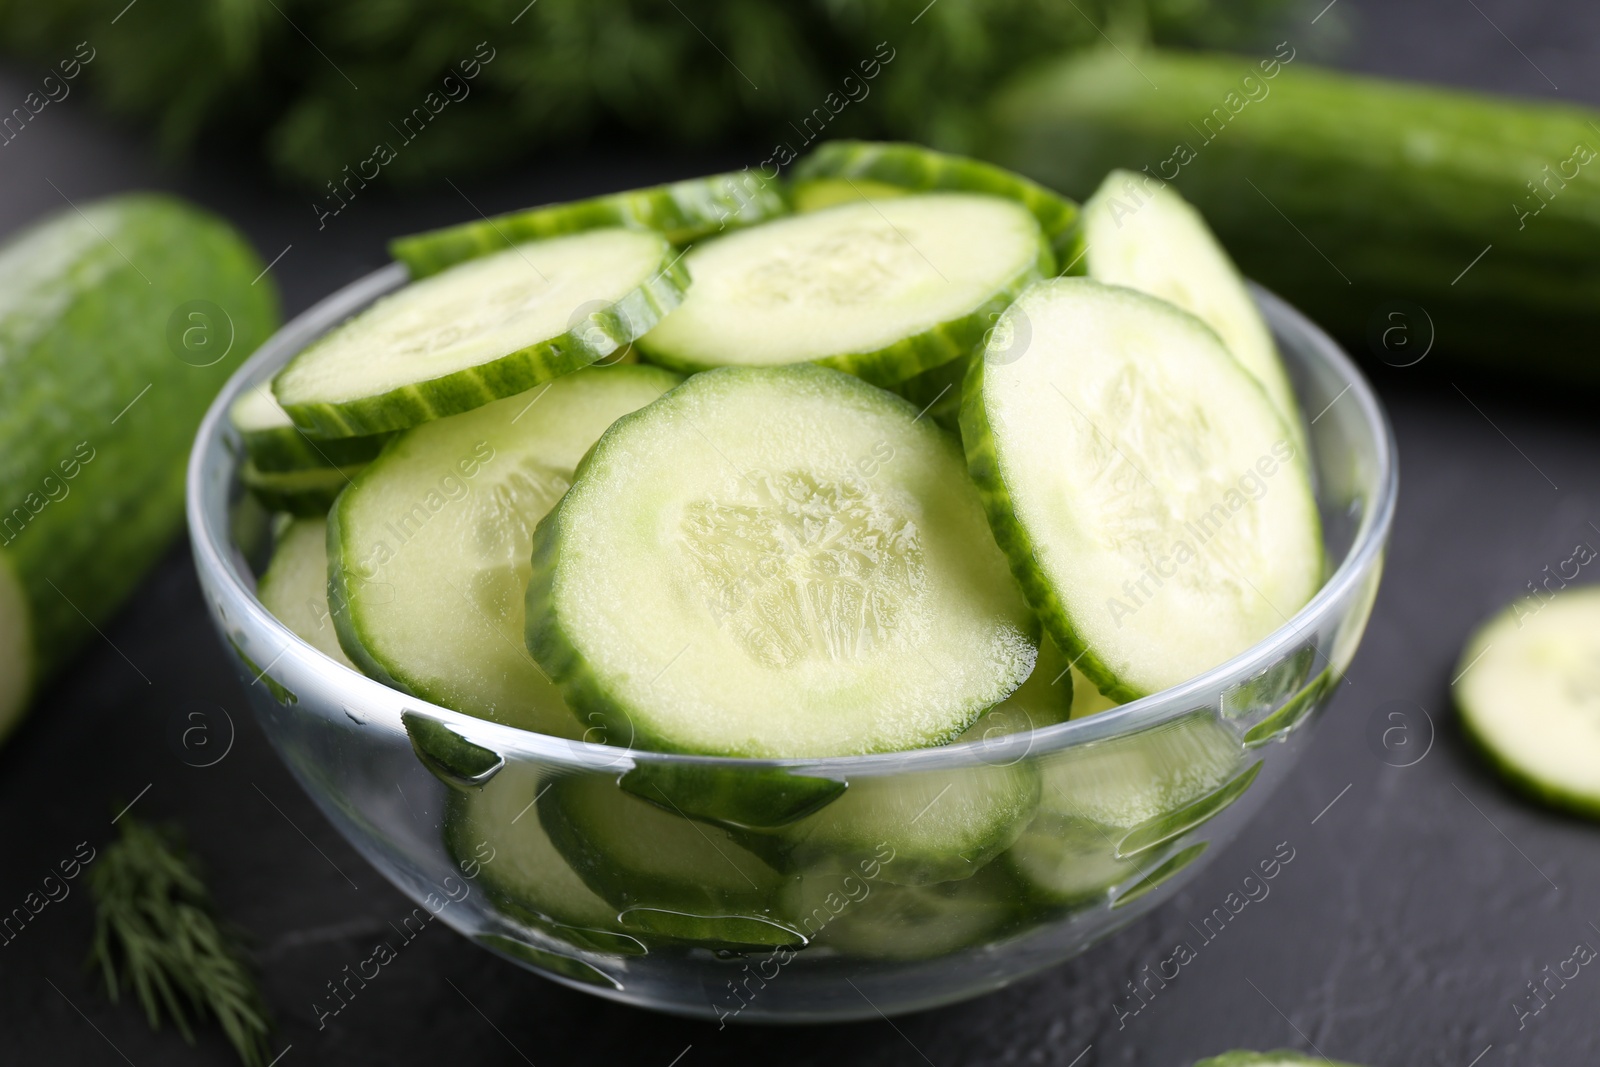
308 492
1140 482
776 562
294 586
274 443
1046 698
1086 699
880 290
1093 796
496 831
1277 1058
664 874
818 193
488 328
431 545
871 169
936 392
941 826
847 911
1529 694
682 211
1140 233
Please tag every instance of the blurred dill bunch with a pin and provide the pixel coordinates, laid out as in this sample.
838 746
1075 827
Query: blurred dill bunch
319 82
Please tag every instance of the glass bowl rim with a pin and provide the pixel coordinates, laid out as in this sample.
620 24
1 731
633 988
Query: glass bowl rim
218 562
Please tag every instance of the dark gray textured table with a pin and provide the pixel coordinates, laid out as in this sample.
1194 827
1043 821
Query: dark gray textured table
1420 901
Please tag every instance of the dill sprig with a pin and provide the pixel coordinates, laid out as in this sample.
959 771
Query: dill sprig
157 933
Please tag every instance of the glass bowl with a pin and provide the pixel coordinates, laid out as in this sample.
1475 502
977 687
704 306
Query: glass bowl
753 910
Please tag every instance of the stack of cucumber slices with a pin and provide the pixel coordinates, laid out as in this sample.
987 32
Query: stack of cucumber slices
903 451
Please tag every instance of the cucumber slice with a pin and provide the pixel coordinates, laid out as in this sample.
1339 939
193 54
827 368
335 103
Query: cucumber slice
1094 796
274 443
1115 457
880 290
1138 232
665 874
430 547
936 393
738 798
495 830
309 492
1046 698
682 211
1282 1057
819 193
295 586
1086 699
486 329
776 562
867 168
1529 692
868 918
941 826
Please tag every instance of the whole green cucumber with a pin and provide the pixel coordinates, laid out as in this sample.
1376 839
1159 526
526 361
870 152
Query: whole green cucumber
1349 195
118 324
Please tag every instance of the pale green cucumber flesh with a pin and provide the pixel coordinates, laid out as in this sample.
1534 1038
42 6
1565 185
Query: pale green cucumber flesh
880 290
1143 487
486 329
1529 695
295 586
1093 797
430 548
854 911
682 211
776 562
273 443
1162 873
941 826
869 168
665 874
1046 698
495 831
1140 233
308 492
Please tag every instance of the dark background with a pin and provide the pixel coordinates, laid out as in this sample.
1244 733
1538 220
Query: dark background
1417 906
